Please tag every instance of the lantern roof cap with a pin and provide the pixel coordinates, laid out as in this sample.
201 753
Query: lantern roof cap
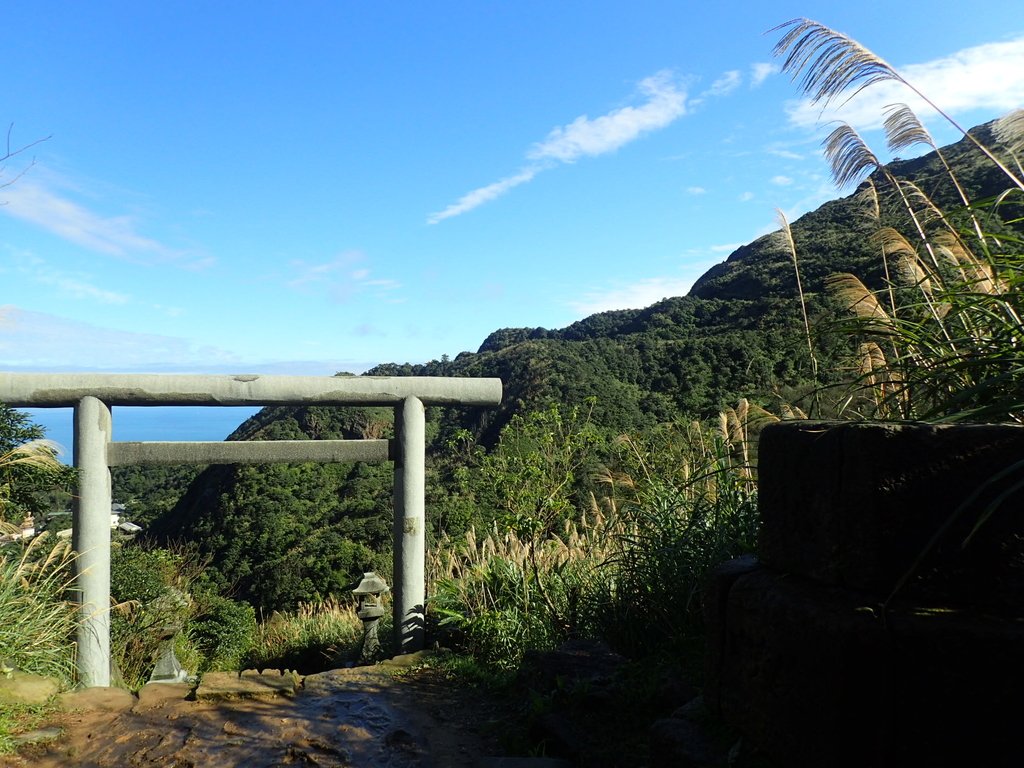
371 584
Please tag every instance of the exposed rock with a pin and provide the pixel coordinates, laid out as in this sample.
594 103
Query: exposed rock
156 695
525 762
97 700
814 676
19 687
681 743
695 709
248 684
560 734
577 663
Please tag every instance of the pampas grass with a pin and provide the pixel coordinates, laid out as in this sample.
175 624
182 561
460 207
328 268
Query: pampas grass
37 620
945 343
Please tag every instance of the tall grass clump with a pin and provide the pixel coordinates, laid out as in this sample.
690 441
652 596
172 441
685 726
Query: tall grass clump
502 593
519 583
624 562
941 340
685 498
314 637
37 618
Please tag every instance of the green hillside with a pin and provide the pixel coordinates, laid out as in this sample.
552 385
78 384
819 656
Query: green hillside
283 534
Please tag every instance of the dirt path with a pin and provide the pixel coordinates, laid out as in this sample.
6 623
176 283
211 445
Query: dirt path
367 717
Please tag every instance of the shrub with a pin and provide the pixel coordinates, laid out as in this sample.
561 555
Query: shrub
686 501
224 632
630 569
153 603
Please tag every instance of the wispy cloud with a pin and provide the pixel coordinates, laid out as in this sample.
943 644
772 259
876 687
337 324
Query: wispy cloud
696 190
39 204
340 278
746 197
781 181
760 72
665 101
725 247
725 84
989 76
75 285
37 341
585 137
786 154
483 195
43 341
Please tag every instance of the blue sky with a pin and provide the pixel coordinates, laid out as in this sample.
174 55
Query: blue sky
313 187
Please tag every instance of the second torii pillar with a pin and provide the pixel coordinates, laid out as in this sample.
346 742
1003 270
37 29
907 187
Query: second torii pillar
410 542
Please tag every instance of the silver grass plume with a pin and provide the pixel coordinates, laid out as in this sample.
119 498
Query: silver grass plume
828 63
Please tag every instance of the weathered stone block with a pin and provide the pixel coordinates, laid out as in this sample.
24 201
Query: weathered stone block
814 676
97 699
19 687
248 684
852 504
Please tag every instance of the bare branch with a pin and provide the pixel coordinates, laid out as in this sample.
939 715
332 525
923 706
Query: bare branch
9 153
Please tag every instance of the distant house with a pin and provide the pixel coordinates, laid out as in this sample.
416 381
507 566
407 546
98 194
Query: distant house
26 531
117 512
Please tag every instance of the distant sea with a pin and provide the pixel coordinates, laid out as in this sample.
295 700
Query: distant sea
158 423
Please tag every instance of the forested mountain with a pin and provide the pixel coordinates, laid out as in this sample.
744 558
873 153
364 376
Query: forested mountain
287 533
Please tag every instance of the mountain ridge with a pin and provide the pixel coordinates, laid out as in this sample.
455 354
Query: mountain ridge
282 534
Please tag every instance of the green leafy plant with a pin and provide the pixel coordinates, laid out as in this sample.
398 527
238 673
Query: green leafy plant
537 473
223 631
152 590
504 594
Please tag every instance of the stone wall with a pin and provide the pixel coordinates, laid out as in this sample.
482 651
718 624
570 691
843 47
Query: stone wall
803 658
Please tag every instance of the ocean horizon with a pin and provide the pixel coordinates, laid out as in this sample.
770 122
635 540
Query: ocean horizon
142 423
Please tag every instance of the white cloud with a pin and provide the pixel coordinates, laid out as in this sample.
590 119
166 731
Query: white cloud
726 84
696 190
43 341
760 72
33 202
989 76
784 153
74 285
586 137
37 341
725 247
781 181
340 278
746 196
640 294
483 195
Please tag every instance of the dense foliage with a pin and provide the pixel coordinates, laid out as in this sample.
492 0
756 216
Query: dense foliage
282 535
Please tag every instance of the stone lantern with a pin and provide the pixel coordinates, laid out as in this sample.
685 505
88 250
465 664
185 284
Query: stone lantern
369 609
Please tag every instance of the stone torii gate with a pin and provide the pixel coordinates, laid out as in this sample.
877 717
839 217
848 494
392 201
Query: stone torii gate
93 395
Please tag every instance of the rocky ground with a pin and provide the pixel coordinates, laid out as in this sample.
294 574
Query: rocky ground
382 716
578 706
